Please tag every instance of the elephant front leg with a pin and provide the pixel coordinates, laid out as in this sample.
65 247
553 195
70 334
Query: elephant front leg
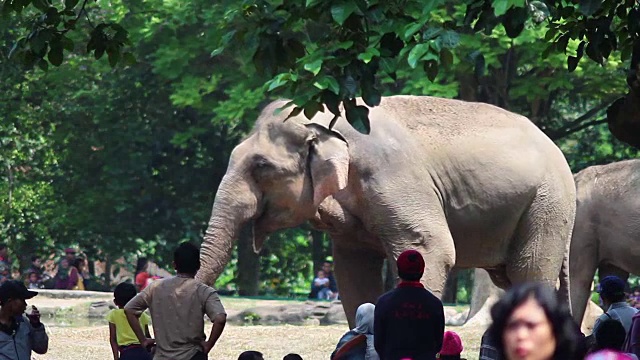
438 251
359 276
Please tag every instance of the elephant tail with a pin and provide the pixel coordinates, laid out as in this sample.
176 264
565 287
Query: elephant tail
564 293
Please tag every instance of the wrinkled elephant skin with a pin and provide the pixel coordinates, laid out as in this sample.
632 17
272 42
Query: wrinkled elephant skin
463 183
606 236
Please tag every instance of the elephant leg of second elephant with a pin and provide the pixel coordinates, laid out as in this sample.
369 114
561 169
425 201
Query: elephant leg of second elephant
358 274
612 270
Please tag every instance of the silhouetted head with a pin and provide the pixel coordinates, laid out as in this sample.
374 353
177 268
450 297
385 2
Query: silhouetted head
186 258
292 357
410 265
123 293
251 355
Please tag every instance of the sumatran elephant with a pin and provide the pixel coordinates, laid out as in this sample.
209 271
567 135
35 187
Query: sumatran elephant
463 183
606 235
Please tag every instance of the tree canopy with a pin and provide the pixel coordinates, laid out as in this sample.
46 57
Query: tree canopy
330 52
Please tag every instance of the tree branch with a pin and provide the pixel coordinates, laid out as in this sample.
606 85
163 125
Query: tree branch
589 114
556 135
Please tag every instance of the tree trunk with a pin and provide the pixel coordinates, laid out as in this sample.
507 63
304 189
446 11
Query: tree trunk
450 293
248 280
318 251
107 271
483 296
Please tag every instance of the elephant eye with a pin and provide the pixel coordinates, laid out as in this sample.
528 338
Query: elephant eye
261 163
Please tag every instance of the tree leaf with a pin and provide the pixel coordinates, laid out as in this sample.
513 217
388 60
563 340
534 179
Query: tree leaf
314 67
358 117
340 12
391 43
332 101
416 54
350 85
500 7
66 43
431 68
589 7
446 58
311 108
44 65
128 58
55 56
113 57
449 39
572 63
411 29
371 96
368 55
389 66
70 4
312 3
431 33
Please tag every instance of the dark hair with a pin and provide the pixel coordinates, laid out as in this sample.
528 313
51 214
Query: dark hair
564 329
250 355
142 262
610 335
292 357
3 246
34 258
123 293
77 262
187 258
613 297
409 276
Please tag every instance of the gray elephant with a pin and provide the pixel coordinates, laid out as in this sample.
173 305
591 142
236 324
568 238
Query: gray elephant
606 235
463 183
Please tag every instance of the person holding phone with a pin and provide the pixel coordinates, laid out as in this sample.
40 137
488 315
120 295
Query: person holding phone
20 334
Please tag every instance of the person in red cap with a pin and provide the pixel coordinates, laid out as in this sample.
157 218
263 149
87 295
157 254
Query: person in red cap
451 346
409 320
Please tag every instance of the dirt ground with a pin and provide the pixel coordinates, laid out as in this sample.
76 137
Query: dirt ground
312 342
83 342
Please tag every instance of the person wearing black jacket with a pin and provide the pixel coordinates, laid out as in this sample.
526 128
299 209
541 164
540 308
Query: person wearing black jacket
409 320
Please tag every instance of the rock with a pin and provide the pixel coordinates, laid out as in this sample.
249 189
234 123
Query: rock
334 316
100 309
592 312
72 294
457 319
270 315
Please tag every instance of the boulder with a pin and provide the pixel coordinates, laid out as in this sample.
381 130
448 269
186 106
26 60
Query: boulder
335 315
592 312
99 309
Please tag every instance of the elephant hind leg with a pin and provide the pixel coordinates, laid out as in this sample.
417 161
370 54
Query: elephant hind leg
543 237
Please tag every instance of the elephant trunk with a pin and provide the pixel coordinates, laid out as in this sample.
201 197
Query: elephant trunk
236 203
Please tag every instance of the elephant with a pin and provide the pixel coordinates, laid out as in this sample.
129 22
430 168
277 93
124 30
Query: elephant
464 183
606 235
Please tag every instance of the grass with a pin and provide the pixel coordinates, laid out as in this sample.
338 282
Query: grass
312 342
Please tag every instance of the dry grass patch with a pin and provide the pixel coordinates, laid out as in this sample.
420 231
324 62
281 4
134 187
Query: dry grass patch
312 342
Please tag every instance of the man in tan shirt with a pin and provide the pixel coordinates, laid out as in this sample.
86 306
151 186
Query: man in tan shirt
177 307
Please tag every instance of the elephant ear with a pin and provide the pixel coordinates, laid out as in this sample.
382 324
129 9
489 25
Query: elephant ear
329 162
